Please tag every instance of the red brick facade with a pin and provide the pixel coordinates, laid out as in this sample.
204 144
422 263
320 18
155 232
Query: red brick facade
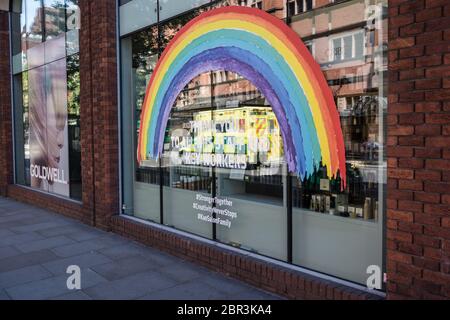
418 147
99 112
6 165
418 195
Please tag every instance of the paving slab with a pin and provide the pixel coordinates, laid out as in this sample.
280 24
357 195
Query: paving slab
85 260
132 287
26 259
182 272
125 267
66 230
8 251
21 238
123 251
5 233
48 243
186 291
51 287
38 226
21 276
224 284
78 295
95 243
3 295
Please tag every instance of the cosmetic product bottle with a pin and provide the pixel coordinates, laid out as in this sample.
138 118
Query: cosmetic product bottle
327 203
375 211
368 209
341 211
359 212
306 199
294 197
333 201
352 212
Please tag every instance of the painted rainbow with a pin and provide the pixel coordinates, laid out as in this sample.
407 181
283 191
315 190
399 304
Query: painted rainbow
264 50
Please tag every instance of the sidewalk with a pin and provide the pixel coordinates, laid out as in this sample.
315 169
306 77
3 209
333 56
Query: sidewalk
37 246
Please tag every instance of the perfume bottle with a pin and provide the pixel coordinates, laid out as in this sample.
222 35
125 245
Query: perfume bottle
368 214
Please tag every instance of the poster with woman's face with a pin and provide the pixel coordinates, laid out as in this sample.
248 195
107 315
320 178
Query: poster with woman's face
49 150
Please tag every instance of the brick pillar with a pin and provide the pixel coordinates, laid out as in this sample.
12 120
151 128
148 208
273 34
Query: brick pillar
6 164
99 108
418 195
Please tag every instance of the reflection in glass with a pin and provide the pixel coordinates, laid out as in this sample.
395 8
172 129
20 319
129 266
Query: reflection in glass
57 130
55 18
22 131
74 134
73 15
145 57
73 25
26 126
332 226
185 183
146 177
38 121
34 19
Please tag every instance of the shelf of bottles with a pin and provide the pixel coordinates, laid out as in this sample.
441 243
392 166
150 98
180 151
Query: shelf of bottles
188 178
359 200
148 175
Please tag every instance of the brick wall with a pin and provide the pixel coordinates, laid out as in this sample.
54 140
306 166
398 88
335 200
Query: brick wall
6 167
99 113
418 217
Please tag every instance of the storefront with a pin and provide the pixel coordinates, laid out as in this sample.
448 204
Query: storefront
258 127
223 173
45 67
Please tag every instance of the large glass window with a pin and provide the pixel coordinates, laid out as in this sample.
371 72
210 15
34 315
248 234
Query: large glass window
46 93
146 183
222 173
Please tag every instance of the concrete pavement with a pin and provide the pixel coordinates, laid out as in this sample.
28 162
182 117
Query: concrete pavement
37 246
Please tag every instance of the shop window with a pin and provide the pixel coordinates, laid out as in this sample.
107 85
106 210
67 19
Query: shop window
338 230
222 173
142 50
46 100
